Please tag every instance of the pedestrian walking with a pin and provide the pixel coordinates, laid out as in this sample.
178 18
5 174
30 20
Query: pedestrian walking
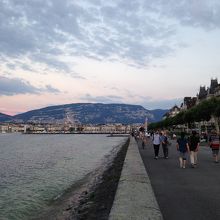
174 137
193 142
156 143
164 142
144 141
142 136
183 148
214 143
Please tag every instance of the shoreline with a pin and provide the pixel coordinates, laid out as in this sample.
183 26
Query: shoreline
111 134
91 197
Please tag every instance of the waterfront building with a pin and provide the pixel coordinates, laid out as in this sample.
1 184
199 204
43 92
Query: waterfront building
209 92
172 112
38 129
188 102
213 86
12 128
202 95
115 128
17 128
54 128
4 128
91 128
217 91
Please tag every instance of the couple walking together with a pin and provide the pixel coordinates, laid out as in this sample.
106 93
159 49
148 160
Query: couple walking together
160 138
192 145
185 145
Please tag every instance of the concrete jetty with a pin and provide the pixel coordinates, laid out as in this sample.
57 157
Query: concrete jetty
134 199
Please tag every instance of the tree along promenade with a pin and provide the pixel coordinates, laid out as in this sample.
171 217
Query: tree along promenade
191 193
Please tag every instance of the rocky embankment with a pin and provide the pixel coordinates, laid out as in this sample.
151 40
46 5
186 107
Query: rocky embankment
97 202
92 197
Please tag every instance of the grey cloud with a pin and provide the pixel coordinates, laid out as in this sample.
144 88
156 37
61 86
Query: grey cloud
149 103
115 97
26 67
203 13
162 104
102 99
29 27
77 76
112 88
14 86
11 66
19 64
99 31
14 43
50 89
146 102
129 30
51 61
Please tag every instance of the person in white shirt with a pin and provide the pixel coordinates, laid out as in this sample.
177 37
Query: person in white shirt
156 142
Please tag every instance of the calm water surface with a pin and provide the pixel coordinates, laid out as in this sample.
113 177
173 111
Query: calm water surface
35 169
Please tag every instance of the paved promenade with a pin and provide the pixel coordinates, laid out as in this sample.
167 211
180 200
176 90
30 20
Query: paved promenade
134 199
184 194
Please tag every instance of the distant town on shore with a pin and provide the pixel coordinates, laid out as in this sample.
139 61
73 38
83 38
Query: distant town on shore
81 118
108 118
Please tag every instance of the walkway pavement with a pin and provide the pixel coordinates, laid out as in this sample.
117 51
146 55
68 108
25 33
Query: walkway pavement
184 194
134 199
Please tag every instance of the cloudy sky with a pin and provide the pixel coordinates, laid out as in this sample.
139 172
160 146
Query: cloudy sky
147 52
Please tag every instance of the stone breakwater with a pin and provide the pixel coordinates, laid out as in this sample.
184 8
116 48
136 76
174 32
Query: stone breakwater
134 199
92 197
119 191
97 202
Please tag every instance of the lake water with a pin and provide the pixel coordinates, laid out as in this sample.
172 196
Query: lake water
35 169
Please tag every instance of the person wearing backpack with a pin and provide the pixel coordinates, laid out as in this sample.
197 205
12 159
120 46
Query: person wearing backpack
214 143
193 142
164 141
183 147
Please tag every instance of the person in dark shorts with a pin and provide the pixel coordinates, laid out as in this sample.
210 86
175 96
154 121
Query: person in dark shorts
214 143
183 148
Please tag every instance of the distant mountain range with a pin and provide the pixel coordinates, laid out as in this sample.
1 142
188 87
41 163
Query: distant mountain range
4 117
88 113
